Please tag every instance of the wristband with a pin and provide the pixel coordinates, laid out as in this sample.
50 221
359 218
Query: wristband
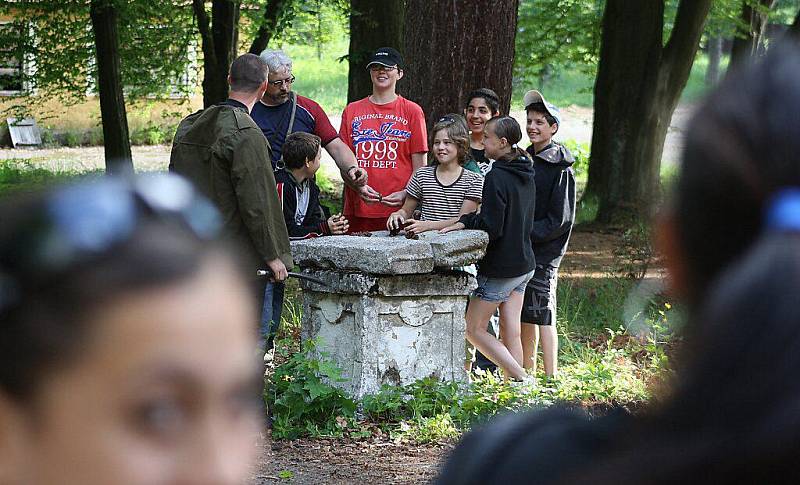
352 167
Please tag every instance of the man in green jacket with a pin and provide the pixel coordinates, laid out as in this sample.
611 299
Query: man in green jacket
223 152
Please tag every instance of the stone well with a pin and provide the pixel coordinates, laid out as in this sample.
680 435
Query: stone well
394 309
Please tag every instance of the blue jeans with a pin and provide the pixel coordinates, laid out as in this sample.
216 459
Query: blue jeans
271 312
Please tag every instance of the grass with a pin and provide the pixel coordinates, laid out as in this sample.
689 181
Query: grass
323 80
22 175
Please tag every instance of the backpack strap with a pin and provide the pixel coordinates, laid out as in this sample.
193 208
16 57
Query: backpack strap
279 164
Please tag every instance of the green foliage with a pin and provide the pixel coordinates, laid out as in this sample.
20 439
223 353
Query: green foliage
634 256
153 133
302 398
19 175
315 22
555 35
435 429
323 80
580 151
55 38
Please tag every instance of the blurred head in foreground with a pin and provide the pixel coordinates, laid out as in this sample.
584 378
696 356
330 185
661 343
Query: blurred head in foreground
732 240
125 339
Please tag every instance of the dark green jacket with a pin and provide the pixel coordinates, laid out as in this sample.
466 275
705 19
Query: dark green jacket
223 152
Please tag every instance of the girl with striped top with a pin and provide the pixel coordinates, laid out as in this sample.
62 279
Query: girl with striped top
444 189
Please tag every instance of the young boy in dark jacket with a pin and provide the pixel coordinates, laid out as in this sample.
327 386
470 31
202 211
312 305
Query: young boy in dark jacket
299 193
299 197
553 219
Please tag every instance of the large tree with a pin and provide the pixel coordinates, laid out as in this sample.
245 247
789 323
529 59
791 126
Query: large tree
372 25
794 29
639 81
116 143
272 13
448 55
219 34
753 22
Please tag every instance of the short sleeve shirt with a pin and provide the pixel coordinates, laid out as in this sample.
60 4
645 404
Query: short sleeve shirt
274 122
383 138
439 201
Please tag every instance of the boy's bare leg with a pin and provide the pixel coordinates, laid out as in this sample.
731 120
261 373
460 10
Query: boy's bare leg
549 336
478 314
510 325
530 341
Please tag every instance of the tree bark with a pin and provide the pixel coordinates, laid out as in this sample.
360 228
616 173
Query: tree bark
714 50
116 142
218 38
272 14
444 65
639 82
372 25
755 20
794 29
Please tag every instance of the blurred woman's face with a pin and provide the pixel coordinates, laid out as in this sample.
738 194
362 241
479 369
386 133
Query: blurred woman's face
164 392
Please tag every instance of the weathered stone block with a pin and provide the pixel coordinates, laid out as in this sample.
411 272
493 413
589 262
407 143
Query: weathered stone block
388 340
388 255
451 283
384 315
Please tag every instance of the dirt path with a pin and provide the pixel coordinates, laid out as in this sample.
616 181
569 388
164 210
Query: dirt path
343 461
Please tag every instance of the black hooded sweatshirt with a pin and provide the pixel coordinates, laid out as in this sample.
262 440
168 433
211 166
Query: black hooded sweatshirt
506 214
555 203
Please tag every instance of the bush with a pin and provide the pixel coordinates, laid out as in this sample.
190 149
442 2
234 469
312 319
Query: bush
72 138
302 400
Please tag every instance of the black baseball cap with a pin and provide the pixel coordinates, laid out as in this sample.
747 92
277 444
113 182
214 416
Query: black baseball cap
386 56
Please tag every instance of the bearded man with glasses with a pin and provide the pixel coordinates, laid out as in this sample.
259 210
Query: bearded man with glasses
281 112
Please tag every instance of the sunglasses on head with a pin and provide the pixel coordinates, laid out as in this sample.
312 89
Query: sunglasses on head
79 222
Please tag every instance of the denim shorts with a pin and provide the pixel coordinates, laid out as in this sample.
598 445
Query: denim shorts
498 290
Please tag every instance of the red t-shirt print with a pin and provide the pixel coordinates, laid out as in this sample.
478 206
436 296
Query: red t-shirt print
383 138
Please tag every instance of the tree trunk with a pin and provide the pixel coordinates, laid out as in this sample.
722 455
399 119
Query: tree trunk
116 142
714 50
755 21
372 25
443 65
218 38
794 29
273 10
639 82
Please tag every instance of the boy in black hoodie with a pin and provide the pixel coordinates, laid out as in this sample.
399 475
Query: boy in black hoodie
552 225
507 209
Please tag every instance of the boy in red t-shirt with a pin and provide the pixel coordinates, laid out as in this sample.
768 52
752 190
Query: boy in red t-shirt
387 133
